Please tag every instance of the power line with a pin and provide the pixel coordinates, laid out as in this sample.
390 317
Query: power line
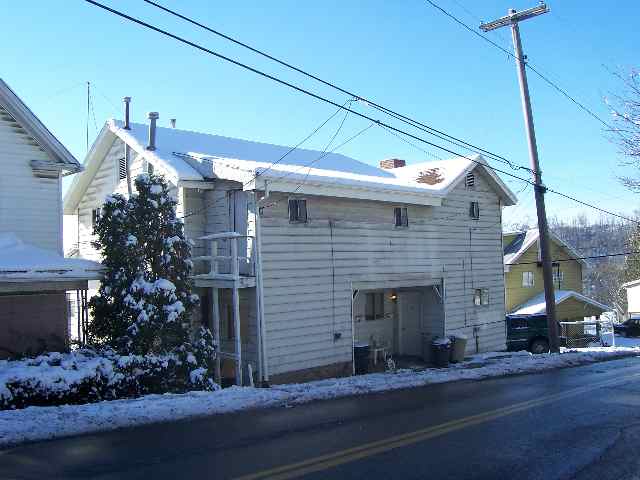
592 257
331 102
535 70
398 116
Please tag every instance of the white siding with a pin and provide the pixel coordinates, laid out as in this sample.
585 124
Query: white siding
30 207
301 312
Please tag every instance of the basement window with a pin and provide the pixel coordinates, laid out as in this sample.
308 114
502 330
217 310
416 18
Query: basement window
96 213
401 217
122 169
297 210
481 296
474 210
374 308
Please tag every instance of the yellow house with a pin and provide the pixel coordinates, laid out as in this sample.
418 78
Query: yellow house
524 286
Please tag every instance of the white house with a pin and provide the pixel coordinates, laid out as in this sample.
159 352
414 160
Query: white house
333 251
633 298
34 275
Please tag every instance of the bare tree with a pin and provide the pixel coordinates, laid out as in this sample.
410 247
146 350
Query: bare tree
625 108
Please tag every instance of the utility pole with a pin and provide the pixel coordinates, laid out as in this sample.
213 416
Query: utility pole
512 20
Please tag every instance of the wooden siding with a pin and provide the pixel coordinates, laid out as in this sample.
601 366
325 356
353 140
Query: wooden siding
308 269
30 207
575 310
516 294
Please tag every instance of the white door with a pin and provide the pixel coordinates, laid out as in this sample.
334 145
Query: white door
410 323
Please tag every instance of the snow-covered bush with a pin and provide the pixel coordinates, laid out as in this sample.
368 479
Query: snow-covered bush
85 376
143 306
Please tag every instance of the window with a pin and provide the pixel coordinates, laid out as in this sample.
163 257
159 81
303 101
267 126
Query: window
401 217
122 169
558 277
528 279
95 216
470 180
374 308
474 210
481 296
297 210
149 168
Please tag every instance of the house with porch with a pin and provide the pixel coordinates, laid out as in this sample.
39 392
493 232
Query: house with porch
301 254
524 286
35 278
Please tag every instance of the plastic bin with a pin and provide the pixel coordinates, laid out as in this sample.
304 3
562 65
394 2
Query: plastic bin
361 358
427 338
441 350
458 347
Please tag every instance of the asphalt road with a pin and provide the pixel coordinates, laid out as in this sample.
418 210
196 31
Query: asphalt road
578 423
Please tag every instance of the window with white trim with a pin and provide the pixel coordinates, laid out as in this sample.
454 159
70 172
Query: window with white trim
122 169
150 168
481 296
374 306
96 213
297 210
558 277
401 217
474 210
528 279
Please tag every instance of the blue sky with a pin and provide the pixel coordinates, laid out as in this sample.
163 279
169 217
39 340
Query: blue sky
404 55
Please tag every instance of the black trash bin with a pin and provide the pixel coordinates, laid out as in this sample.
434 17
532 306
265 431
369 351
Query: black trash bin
441 349
361 358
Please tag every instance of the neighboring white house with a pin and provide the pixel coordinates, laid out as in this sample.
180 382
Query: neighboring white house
633 297
34 275
336 251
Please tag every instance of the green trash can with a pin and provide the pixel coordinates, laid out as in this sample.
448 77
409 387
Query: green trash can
458 347
441 350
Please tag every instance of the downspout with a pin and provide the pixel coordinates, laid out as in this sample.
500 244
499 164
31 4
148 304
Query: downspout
262 332
126 101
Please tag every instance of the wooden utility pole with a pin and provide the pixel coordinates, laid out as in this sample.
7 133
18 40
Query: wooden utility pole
512 20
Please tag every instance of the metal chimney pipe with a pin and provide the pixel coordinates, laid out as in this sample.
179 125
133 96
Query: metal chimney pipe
153 116
126 101
172 121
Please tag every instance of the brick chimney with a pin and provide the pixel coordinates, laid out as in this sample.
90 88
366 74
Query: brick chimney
392 163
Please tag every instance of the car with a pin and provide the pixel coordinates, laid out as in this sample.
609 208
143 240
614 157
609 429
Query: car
628 328
530 332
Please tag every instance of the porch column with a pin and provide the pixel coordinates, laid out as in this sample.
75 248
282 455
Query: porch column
235 270
216 330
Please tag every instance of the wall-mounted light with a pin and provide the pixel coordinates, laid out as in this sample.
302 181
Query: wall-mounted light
393 297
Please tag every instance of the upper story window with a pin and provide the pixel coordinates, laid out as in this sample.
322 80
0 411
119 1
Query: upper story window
149 168
528 279
297 210
470 180
474 210
481 296
374 307
96 213
558 278
122 169
401 217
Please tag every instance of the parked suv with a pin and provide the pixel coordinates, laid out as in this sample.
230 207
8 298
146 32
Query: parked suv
628 328
528 332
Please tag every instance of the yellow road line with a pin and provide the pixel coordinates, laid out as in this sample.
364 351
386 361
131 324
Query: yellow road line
341 457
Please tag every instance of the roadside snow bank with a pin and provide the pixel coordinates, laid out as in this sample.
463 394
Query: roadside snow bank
39 423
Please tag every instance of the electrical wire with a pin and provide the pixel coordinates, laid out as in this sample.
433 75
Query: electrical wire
398 116
331 102
535 70
574 259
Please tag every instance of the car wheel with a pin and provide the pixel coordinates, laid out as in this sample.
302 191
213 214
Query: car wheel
539 346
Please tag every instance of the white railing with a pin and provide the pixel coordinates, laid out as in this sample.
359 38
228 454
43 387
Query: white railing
234 259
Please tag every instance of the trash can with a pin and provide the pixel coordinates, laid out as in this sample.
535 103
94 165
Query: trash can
361 358
441 349
458 347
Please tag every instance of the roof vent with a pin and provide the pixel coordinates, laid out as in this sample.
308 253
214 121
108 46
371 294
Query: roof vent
470 180
172 122
153 116
126 101
390 163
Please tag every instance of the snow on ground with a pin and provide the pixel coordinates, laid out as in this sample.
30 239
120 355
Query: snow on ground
39 423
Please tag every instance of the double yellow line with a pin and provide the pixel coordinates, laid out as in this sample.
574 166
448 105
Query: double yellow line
341 457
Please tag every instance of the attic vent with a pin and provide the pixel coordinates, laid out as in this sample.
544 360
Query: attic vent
470 180
122 168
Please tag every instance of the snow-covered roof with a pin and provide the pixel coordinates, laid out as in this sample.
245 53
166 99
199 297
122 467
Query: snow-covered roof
194 156
20 261
32 124
633 283
522 241
537 305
